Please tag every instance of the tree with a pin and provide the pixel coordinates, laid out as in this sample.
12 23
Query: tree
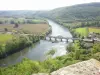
51 52
96 48
1 22
77 54
5 29
12 22
16 25
70 47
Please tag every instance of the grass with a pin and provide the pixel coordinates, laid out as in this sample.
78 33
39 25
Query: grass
94 29
83 31
5 37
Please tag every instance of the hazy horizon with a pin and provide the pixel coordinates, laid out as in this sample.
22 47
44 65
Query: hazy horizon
39 4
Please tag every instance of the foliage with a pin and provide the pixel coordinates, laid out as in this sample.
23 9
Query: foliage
82 12
17 43
28 67
96 56
96 48
51 52
16 21
70 47
5 37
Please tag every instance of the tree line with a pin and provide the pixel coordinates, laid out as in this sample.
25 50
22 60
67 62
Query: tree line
17 43
23 21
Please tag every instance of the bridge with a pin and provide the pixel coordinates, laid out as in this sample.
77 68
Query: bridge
55 38
61 38
70 38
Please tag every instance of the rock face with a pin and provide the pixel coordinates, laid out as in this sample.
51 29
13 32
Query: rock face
89 67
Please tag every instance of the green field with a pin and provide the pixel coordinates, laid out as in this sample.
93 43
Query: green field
94 29
5 37
84 31
81 31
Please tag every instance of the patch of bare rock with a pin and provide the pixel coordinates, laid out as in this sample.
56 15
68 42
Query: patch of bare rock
89 67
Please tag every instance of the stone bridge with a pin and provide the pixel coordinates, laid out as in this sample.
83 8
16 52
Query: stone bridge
66 38
61 38
70 38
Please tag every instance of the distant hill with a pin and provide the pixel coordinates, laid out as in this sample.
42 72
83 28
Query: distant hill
17 13
81 12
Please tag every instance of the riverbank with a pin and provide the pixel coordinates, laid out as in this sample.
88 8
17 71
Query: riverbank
75 53
28 67
19 42
38 52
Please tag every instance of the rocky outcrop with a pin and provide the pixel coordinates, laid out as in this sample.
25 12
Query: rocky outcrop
89 67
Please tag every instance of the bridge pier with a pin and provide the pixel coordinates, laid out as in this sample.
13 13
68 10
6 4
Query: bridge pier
66 40
45 38
50 38
73 40
39 38
93 41
55 39
61 39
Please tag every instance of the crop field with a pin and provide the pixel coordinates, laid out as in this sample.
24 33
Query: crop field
94 29
5 37
34 28
83 31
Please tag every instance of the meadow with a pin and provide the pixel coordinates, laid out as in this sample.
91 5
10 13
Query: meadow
5 37
81 31
84 31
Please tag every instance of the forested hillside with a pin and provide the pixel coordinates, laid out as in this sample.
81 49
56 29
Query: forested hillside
82 12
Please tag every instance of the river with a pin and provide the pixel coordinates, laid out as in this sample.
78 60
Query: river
41 48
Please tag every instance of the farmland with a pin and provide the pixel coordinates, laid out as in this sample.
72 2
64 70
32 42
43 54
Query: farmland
94 29
83 31
34 28
11 41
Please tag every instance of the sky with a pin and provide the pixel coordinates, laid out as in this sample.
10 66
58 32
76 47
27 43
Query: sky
39 4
